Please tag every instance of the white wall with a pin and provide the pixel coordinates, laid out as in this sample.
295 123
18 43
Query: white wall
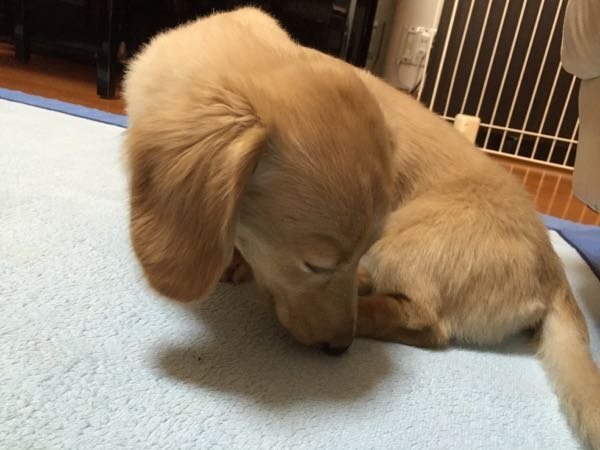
408 13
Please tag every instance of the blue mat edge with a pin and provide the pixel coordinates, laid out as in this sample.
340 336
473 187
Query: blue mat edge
64 107
569 231
574 234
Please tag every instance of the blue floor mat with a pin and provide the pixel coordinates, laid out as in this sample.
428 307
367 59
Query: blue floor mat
584 238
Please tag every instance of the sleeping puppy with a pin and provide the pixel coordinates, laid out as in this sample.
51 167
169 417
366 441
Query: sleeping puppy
241 138
238 137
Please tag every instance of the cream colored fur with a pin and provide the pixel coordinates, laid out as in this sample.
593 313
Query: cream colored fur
241 138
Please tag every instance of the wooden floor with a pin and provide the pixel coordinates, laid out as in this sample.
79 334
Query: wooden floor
54 78
551 189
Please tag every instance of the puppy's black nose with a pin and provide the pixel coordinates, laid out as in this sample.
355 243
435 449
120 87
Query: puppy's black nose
332 350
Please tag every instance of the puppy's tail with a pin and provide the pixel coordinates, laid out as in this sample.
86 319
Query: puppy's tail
564 351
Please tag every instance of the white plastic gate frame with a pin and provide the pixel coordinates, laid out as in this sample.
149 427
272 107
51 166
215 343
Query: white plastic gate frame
537 132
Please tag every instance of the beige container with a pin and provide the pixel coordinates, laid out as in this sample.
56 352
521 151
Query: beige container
581 56
586 176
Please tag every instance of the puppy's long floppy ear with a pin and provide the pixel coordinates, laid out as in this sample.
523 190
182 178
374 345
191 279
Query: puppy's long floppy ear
189 164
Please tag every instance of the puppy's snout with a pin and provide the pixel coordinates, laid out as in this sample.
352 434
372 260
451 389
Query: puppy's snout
332 349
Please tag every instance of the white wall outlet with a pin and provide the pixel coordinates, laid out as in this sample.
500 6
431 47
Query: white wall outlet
416 44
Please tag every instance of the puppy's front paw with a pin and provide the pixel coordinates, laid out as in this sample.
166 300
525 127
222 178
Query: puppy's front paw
238 271
365 282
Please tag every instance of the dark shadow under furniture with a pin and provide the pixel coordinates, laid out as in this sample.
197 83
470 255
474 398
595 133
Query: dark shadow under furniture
85 30
108 31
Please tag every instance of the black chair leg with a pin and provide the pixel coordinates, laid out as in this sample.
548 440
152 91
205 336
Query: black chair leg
22 34
106 63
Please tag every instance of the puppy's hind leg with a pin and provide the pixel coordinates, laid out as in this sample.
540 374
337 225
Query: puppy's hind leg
397 318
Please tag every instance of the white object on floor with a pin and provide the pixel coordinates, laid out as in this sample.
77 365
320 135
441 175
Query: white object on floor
468 126
91 358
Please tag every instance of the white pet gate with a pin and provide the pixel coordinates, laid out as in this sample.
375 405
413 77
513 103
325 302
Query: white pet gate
500 62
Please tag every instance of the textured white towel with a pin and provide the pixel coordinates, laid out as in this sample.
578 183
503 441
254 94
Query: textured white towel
91 358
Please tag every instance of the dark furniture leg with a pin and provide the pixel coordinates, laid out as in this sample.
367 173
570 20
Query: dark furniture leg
21 31
107 52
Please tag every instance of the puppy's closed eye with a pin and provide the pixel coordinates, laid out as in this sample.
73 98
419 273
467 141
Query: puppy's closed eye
318 270
320 255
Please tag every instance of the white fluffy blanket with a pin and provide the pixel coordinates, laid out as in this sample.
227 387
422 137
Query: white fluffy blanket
91 358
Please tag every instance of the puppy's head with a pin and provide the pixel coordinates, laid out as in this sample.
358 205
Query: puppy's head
316 201
293 167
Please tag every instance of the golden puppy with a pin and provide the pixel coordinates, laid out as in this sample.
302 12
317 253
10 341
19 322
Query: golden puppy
241 138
